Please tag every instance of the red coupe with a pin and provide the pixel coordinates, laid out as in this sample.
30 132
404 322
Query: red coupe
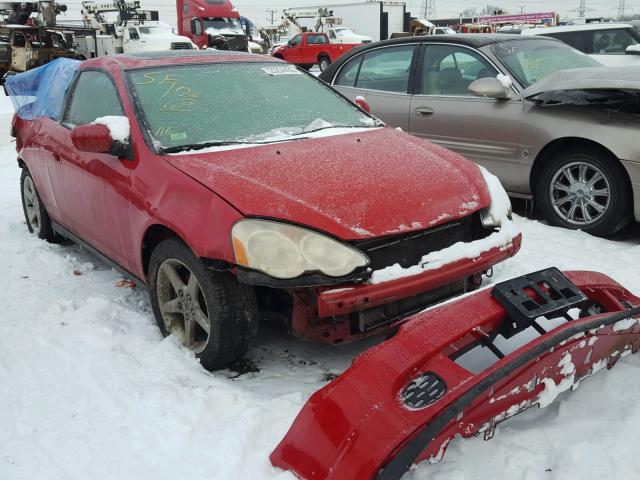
232 185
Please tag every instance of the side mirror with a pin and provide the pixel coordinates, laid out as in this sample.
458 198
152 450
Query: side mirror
289 44
489 87
97 138
633 50
363 104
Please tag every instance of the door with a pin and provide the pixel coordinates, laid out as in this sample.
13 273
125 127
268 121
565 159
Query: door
132 40
294 50
93 188
382 76
485 130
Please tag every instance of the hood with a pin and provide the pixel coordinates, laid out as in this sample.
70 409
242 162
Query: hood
602 78
353 186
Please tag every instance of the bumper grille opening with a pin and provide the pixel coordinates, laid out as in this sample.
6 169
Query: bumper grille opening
181 46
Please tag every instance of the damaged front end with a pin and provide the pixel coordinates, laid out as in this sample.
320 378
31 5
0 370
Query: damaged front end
403 401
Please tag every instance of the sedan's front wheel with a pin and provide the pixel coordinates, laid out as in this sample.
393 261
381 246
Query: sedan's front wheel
581 189
209 312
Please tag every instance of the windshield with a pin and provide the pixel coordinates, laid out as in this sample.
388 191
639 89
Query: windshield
530 60
223 26
186 106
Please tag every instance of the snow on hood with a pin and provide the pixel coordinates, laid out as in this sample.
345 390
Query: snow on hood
358 185
586 78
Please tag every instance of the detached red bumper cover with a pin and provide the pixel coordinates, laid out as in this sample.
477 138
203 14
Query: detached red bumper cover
404 400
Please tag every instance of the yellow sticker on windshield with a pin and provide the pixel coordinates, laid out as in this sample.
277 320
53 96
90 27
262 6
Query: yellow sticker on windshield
178 136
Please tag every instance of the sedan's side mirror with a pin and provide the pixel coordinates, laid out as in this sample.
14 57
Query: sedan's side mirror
362 103
633 50
489 87
97 138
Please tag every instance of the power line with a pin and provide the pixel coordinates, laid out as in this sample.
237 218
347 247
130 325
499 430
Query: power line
428 9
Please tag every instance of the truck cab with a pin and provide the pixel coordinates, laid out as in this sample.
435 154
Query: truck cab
211 24
152 36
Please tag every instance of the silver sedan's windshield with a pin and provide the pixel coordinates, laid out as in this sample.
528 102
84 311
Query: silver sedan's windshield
530 60
191 105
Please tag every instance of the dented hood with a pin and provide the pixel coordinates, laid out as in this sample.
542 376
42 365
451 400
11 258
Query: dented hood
596 78
357 185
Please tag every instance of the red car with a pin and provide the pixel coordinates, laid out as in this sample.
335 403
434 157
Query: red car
310 48
232 185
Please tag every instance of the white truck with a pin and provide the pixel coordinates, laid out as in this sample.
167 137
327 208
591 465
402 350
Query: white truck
131 32
133 37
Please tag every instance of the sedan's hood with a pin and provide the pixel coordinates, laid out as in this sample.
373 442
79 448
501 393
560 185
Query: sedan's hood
602 78
357 185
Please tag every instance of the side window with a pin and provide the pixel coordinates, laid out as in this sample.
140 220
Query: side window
19 40
349 73
86 105
449 70
133 34
322 39
582 41
386 69
612 42
196 26
295 41
332 34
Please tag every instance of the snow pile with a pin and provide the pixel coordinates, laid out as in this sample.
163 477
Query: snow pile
458 251
500 207
118 126
505 80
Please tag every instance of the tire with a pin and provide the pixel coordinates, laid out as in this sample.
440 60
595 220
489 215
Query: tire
323 63
585 189
36 216
216 300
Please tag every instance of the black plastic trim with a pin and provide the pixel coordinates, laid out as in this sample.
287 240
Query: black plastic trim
258 279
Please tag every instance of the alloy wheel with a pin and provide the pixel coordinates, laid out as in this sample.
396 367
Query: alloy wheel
182 305
580 193
31 204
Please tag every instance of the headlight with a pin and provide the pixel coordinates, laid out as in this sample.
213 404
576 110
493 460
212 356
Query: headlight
286 251
500 206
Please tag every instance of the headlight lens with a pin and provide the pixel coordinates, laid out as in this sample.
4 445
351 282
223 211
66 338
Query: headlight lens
500 207
286 251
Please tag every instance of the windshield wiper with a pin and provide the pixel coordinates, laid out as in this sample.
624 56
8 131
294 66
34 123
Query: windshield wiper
200 146
338 126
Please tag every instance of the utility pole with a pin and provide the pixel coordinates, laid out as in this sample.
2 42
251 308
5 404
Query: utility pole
582 9
428 9
622 9
271 16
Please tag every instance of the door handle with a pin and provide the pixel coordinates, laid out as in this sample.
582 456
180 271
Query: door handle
424 111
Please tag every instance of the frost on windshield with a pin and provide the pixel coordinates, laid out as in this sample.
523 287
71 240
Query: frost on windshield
195 107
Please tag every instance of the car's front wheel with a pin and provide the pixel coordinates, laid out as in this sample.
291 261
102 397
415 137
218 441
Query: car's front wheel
210 312
583 189
38 221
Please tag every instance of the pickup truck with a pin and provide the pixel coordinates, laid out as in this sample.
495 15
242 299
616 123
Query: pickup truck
310 48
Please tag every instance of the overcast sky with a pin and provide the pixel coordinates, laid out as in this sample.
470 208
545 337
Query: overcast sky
257 10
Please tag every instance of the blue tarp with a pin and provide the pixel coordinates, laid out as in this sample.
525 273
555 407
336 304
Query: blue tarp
41 91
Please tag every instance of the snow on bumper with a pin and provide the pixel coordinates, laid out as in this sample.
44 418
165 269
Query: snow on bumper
439 268
404 400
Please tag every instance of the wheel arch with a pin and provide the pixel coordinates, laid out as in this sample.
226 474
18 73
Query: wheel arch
558 145
152 237
324 54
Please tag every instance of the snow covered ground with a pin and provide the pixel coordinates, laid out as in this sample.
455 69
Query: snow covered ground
89 389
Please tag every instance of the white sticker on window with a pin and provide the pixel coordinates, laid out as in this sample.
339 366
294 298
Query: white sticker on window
281 70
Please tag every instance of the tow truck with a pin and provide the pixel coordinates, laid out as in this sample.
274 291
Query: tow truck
134 31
